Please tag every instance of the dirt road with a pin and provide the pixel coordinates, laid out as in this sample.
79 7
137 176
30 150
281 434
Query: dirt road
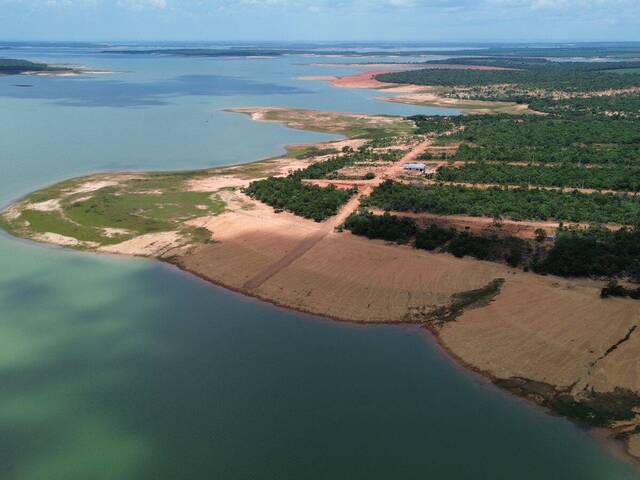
327 227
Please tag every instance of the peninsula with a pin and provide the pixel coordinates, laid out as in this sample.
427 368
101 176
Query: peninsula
511 234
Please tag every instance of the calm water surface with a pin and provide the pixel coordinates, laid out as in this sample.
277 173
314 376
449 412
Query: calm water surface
121 369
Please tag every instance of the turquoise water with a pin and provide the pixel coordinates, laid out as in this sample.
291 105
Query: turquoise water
114 368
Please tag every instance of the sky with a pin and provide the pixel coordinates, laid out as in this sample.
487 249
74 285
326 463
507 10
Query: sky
321 20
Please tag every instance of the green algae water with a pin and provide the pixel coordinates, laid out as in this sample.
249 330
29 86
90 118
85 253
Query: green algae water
120 369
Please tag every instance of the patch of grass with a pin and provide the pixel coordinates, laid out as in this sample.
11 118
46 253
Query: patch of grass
304 152
349 125
54 222
171 182
459 303
198 234
141 213
474 298
55 191
149 204
598 409
249 171
593 408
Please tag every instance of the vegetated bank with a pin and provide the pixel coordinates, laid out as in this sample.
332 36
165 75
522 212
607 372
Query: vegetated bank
11 66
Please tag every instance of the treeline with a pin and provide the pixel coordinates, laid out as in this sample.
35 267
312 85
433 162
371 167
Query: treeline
516 204
613 289
535 131
548 133
624 155
10 66
311 201
382 227
308 201
320 170
328 168
527 61
537 139
612 106
401 230
605 178
594 252
527 75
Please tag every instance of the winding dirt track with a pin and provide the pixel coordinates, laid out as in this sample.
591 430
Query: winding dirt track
329 226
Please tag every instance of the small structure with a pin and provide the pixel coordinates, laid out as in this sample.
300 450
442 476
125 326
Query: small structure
414 167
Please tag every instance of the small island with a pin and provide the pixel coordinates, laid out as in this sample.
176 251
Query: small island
10 66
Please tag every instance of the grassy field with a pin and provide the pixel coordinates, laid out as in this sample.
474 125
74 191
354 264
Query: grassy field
100 210
349 125
112 211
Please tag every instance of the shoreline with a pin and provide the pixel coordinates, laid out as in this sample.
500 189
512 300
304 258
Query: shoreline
398 278
601 435
616 447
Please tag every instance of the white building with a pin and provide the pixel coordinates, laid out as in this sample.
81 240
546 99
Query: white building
415 167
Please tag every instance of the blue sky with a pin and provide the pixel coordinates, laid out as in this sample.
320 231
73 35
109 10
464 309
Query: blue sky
419 20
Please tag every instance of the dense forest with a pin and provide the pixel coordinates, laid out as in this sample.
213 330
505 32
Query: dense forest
536 131
568 77
511 250
623 155
311 201
515 204
383 227
526 78
593 252
606 178
513 62
609 106
539 139
308 201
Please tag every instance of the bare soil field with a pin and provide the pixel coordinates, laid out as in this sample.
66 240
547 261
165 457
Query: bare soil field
536 322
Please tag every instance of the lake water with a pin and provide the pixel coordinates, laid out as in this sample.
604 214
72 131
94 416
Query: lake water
113 368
